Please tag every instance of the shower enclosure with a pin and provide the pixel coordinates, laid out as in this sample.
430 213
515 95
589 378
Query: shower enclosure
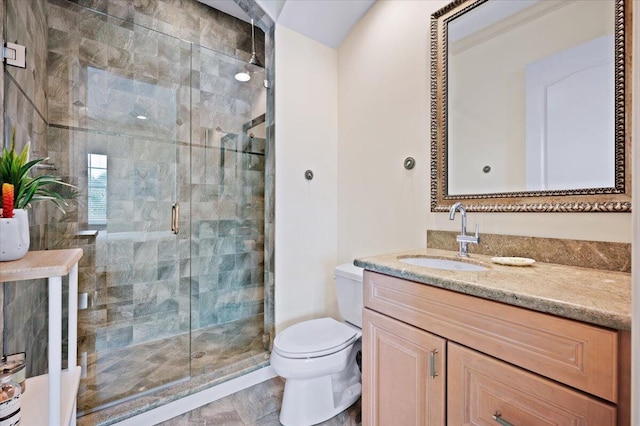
168 152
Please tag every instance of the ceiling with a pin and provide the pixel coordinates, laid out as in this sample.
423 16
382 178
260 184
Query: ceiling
326 21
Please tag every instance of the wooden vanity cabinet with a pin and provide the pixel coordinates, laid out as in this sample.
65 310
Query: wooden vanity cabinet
404 373
521 366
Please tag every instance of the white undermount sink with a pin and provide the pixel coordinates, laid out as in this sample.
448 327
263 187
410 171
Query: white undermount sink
446 264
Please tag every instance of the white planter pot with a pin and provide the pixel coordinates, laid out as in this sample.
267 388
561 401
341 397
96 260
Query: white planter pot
14 236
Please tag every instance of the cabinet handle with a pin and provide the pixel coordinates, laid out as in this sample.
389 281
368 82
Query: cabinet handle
432 364
497 416
175 218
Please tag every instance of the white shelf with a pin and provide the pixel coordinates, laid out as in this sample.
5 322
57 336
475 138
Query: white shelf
50 399
34 404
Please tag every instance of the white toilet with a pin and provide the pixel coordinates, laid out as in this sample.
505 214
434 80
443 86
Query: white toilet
320 358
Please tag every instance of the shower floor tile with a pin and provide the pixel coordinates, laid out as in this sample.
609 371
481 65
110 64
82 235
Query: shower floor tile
122 374
258 405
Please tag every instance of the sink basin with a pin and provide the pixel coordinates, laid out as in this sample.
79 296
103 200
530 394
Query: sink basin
446 264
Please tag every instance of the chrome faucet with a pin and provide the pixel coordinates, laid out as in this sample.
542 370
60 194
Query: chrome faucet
463 239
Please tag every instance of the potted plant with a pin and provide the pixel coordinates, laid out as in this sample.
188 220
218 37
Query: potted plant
19 191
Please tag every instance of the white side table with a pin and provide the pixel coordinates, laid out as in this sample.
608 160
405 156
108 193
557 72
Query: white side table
57 390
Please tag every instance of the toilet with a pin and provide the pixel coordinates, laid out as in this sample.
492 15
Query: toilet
320 358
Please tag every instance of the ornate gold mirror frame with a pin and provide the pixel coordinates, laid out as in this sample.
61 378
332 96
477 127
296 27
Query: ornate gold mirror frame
611 199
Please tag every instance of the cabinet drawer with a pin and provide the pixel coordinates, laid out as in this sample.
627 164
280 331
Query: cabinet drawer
581 355
480 387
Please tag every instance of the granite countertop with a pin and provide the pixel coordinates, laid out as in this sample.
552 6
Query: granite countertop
590 295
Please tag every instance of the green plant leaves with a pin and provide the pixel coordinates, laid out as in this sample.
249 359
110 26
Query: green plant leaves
15 169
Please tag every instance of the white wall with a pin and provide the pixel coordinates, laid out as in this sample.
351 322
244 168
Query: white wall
352 116
383 117
306 211
383 81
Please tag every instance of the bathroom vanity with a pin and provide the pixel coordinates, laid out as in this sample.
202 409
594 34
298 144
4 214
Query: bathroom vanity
508 345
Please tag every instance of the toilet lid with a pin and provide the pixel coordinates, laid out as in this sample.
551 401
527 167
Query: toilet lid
314 338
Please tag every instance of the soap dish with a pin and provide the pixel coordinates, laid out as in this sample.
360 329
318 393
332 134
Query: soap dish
513 261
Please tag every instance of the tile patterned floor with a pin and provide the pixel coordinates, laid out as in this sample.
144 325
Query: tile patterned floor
124 373
258 405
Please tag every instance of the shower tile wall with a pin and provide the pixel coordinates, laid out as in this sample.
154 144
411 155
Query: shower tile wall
269 195
24 317
228 196
264 22
96 89
187 20
24 321
217 270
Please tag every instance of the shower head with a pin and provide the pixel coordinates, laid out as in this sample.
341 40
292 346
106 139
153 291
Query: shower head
254 64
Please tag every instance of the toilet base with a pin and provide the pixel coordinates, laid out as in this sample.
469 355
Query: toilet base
311 401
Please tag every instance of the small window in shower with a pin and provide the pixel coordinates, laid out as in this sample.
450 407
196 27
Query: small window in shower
97 191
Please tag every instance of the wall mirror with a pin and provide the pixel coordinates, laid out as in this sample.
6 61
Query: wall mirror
531 105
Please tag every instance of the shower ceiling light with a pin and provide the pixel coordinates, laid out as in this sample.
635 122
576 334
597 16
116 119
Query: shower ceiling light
242 76
254 64
141 117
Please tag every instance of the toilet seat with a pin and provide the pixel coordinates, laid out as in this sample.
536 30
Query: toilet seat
314 338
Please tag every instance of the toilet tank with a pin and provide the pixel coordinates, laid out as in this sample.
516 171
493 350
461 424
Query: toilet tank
349 290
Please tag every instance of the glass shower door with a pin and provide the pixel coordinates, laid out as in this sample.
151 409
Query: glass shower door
119 124
228 182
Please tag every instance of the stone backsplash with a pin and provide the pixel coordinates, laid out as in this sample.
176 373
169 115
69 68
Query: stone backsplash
589 254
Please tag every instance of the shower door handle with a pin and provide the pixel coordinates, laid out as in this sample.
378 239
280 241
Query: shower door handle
175 218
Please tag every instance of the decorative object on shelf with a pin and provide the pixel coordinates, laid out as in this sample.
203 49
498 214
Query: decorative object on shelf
9 400
14 227
14 235
19 190
14 364
7 200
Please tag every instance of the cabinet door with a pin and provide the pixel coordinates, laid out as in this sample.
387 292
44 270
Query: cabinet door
403 381
481 387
